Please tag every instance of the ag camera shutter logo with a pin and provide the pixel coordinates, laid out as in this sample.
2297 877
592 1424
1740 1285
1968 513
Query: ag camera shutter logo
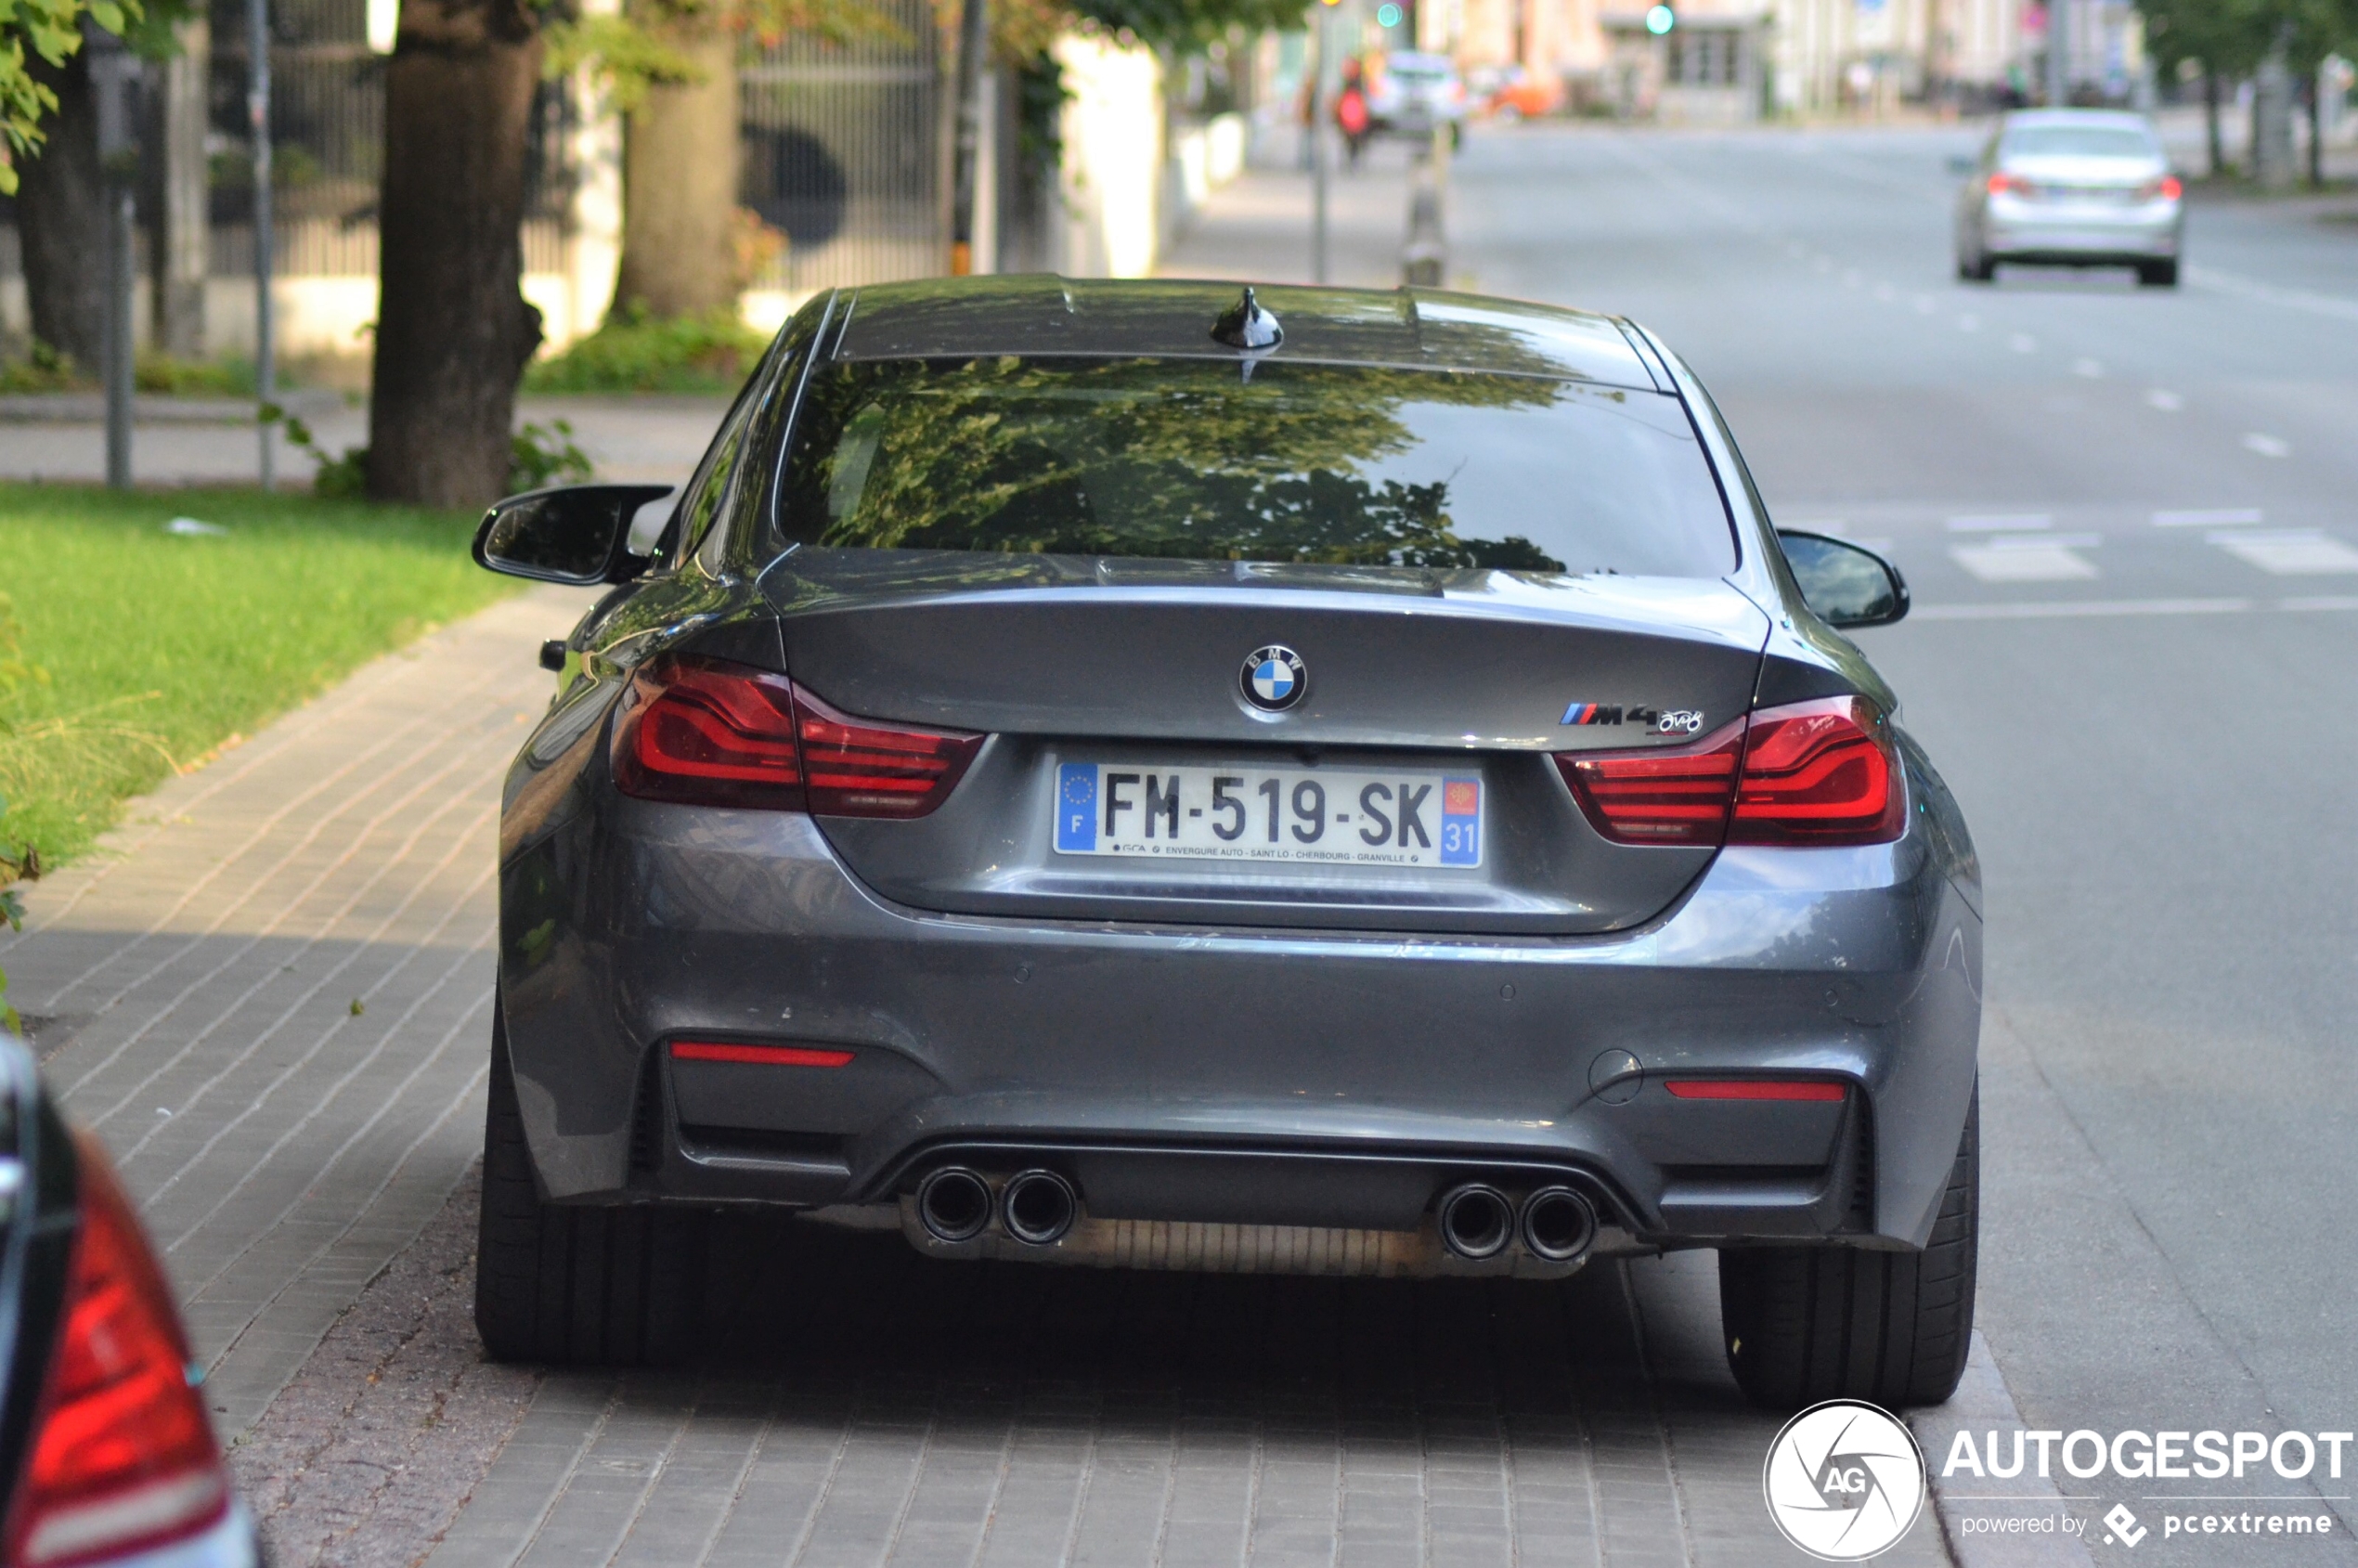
1843 1482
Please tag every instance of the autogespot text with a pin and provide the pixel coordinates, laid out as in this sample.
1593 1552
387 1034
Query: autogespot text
2138 1456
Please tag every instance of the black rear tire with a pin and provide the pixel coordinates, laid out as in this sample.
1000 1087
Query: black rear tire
593 1287
1807 1323
2158 275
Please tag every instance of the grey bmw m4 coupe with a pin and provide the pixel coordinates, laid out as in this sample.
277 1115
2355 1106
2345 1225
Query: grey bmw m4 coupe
1313 781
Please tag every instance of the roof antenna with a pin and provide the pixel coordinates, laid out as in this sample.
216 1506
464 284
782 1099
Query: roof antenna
1245 325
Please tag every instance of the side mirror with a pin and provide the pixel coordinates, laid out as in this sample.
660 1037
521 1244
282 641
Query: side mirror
1845 584
575 535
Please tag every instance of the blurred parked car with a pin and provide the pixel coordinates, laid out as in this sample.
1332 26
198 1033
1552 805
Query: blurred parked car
1410 95
2072 188
109 1455
1515 94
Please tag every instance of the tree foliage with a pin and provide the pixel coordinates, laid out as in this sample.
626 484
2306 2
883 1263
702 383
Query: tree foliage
2230 38
1115 457
50 31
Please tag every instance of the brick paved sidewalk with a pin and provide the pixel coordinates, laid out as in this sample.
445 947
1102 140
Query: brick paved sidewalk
269 991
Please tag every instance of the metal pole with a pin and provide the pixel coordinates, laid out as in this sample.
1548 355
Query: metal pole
258 117
113 78
974 33
1316 132
120 345
2058 53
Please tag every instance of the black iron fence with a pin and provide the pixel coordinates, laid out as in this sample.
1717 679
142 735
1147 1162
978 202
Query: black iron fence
844 150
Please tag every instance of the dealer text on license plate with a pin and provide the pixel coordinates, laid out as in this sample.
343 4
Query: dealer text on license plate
1404 817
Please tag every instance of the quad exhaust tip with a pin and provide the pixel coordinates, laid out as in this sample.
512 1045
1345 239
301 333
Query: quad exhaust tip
1476 1220
953 1204
1038 1206
1558 1224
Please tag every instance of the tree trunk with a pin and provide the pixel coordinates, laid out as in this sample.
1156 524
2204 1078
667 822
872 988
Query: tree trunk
2316 84
2211 122
62 217
453 330
679 190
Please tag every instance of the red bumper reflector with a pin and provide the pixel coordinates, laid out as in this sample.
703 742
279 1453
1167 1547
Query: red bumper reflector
761 1056
1754 1089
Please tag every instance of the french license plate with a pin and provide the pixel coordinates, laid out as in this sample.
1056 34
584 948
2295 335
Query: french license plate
1404 817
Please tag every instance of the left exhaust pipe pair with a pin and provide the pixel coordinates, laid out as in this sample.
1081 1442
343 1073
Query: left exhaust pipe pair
1036 1206
1477 1221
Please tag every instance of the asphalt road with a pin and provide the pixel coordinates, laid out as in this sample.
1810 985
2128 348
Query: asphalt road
2128 519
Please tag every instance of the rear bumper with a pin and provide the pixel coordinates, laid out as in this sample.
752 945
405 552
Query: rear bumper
1333 1078
2079 238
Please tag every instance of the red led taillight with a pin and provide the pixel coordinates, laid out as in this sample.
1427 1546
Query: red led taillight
1754 1089
123 1456
1821 772
2166 188
1677 795
2003 184
705 731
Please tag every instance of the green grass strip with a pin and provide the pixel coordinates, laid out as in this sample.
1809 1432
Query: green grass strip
152 650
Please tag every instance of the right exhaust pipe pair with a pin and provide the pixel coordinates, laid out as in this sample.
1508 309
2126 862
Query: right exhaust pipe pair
1035 1207
1478 1221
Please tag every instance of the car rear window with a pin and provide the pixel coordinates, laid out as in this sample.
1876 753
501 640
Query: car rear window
1211 460
2078 141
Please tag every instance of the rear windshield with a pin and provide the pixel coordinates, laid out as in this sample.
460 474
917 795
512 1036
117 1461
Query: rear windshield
1208 459
2078 141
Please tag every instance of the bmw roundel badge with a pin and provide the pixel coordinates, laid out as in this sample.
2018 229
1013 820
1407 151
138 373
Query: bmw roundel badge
1275 677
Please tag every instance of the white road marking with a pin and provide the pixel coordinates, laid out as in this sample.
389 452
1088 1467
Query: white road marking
2060 608
1852 279
2291 552
2215 518
2268 446
2268 293
2004 524
2029 558
2168 402
1969 323
1886 292
2092 369
1926 305
2023 343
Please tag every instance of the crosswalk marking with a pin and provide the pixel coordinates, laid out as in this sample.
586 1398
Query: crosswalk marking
2002 524
2289 551
2216 517
2039 558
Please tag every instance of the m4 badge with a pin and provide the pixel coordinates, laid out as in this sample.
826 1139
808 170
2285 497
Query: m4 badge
1660 720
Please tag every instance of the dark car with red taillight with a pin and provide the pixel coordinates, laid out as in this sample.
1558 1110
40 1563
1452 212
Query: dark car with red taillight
110 1457
1163 776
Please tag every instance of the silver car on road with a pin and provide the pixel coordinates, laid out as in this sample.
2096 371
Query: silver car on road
1130 775
2072 188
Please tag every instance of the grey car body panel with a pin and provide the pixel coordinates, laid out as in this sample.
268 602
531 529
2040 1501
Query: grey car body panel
1422 328
1167 1032
1420 671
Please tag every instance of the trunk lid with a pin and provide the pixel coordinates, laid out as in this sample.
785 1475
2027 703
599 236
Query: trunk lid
1134 670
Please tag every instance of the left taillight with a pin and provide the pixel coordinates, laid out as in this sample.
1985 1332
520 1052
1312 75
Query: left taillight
122 1458
707 731
1824 773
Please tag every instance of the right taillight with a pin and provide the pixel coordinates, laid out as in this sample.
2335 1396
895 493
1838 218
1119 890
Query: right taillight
2166 188
709 733
123 1456
1823 773
2003 184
